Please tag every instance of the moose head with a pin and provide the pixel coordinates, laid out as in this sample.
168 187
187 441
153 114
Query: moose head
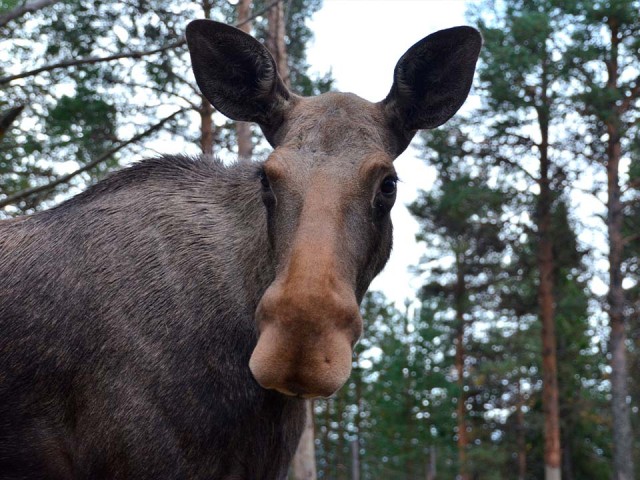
327 187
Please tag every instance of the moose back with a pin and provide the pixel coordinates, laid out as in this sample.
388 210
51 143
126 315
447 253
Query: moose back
169 321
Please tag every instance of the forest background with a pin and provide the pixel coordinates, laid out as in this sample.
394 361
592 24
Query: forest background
517 355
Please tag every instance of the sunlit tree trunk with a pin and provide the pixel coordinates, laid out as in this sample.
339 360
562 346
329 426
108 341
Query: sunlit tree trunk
303 466
276 42
207 128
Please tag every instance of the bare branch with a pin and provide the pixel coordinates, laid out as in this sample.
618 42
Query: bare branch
161 90
258 13
90 60
25 8
105 156
630 239
500 159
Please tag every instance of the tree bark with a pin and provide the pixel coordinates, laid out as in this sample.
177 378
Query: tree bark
303 466
546 299
207 129
276 42
552 449
623 468
243 129
622 436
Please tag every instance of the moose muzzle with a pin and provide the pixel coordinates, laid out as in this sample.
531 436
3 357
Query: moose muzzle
307 333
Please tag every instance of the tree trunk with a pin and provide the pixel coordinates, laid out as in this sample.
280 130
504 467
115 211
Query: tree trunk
243 129
355 444
622 437
463 439
355 459
207 129
552 451
431 468
521 439
546 300
276 40
303 466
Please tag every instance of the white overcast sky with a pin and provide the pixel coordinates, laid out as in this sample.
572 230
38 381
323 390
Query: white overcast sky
360 41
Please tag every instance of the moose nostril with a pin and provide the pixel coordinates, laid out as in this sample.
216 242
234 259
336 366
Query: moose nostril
306 339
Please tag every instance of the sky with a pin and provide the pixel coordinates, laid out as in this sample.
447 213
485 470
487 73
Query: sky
360 41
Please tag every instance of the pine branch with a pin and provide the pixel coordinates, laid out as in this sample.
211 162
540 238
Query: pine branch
136 54
90 60
500 159
105 156
25 8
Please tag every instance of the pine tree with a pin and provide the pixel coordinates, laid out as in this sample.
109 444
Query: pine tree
604 62
461 220
521 81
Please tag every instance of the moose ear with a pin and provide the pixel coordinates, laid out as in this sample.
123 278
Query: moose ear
237 74
432 80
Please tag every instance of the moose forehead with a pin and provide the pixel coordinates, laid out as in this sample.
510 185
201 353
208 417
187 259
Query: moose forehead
335 125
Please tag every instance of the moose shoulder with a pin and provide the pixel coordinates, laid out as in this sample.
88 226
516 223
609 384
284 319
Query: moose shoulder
167 322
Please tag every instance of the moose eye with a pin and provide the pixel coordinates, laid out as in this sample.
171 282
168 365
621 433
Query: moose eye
388 186
264 181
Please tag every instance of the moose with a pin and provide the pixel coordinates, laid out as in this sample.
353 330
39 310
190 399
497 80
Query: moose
169 321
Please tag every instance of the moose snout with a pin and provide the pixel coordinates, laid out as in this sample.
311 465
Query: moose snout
306 339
